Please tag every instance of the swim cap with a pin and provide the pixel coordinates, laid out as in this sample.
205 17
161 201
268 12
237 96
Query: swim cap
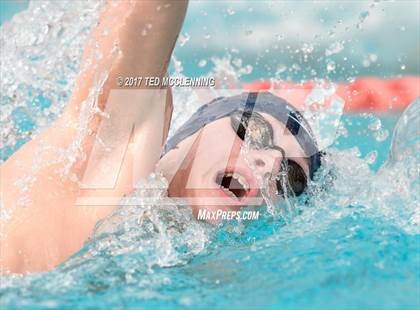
264 102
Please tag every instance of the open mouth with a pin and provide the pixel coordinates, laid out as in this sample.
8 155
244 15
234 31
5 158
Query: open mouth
233 184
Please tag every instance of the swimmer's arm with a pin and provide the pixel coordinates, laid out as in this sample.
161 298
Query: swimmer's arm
145 33
46 226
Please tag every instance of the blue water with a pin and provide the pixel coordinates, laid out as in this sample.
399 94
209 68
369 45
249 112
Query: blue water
330 257
354 245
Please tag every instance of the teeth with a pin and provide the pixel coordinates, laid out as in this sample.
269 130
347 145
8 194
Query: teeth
229 193
241 180
238 178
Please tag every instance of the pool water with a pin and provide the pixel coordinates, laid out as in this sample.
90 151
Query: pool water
355 243
348 249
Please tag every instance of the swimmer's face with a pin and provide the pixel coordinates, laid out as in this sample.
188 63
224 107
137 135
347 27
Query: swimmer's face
209 170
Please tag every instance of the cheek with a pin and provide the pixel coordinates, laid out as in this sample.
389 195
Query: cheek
204 165
211 157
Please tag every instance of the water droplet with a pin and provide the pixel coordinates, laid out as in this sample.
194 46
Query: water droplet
343 201
342 131
381 135
373 57
334 48
237 62
183 39
330 66
363 15
281 68
375 125
362 18
307 48
248 32
366 63
230 11
295 67
202 63
279 37
371 157
247 70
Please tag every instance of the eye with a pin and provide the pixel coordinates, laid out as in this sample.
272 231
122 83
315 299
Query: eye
253 128
296 177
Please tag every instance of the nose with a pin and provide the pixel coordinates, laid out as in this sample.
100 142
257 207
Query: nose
264 161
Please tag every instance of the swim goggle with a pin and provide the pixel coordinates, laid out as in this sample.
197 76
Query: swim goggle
257 133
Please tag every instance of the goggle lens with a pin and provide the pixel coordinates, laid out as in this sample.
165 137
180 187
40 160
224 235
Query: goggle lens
257 133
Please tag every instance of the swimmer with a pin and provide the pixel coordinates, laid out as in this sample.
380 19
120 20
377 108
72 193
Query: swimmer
50 227
203 159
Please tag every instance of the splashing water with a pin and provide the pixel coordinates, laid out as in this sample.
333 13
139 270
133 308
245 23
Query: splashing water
39 64
164 235
355 236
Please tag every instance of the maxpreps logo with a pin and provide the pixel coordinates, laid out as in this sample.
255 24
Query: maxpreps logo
221 215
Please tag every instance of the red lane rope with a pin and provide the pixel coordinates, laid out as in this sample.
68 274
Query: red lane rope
365 94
